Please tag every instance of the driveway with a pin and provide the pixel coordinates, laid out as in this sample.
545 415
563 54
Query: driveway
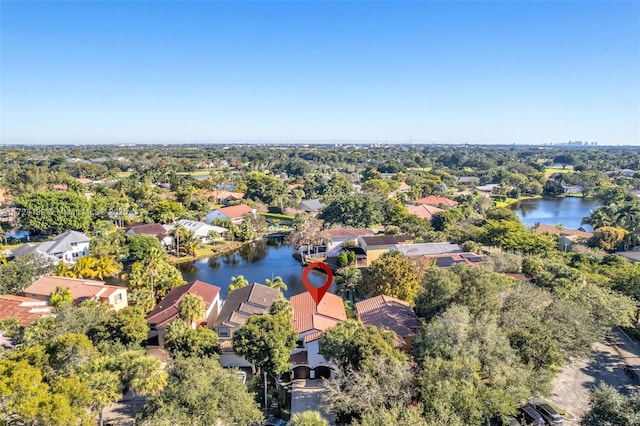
616 362
306 395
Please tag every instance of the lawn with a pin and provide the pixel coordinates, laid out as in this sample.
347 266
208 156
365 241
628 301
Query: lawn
551 170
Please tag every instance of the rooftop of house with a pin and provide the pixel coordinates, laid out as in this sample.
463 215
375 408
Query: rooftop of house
310 205
434 200
449 259
307 316
468 179
390 314
386 240
167 310
244 302
196 226
423 211
154 229
24 309
59 244
347 233
541 229
81 289
233 212
423 249
223 195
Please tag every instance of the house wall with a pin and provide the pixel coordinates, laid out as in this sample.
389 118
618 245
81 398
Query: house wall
119 299
315 359
374 253
213 311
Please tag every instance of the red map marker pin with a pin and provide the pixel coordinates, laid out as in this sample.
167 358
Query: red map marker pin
317 292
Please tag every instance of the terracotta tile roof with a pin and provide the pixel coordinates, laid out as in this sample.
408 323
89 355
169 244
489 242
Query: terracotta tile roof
352 233
386 240
80 289
154 229
167 310
24 309
308 316
390 314
541 229
245 301
313 336
423 211
234 212
433 200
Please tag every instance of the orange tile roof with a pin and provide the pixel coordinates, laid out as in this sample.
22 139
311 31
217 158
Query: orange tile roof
167 309
541 229
308 316
423 211
234 212
390 314
80 289
434 200
24 309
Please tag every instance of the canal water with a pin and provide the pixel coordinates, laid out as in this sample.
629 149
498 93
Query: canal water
257 261
568 211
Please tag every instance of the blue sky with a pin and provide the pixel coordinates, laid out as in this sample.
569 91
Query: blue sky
474 72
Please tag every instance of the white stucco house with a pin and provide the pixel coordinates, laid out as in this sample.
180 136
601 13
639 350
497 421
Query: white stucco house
67 247
236 214
202 230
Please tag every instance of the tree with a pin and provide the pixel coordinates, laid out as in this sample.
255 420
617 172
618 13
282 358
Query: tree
607 238
308 418
127 326
607 407
20 273
167 211
276 283
105 388
156 274
191 309
353 346
201 392
238 282
264 188
142 247
183 341
266 341
54 212
398 414
142 298
358 211
348 281
393 274
60 296
439 287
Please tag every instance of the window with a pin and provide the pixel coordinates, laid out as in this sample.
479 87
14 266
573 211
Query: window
223 332
300 343
74 244
75 254
118 297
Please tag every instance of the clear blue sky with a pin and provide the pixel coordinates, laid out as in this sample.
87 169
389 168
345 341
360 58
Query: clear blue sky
478 72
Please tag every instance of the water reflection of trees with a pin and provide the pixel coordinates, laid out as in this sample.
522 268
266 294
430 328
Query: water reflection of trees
187 267
275 242
214 262
526 208
254 252
230 259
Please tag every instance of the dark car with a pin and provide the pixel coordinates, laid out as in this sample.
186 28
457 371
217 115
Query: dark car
273 421
550 415
529 416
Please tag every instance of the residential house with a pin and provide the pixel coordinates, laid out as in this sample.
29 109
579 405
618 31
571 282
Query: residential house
572 189
333 239
67 247
226 197
236 214
434 200
202 230
153 229
468 180
24 309
167 311
310 321
390 314
254 299
567 238
375 246
446 260
423 211
81 290
310 206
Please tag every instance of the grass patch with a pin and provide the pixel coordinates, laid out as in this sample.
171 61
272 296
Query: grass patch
124 174
277 216
551 170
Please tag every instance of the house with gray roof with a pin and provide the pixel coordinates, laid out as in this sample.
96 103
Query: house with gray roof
310 206
67 247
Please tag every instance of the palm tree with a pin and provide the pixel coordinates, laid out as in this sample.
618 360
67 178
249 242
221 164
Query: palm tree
106 266
63 270
105 387
85 267
154 265
238 282
308 418
276 283
348 282
191 308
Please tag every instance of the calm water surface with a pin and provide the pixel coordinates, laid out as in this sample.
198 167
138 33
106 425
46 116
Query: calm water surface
567 211
257 261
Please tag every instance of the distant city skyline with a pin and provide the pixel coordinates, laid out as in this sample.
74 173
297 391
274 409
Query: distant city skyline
319 72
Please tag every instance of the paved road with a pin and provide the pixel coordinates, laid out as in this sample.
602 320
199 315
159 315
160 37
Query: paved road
307 396
616 363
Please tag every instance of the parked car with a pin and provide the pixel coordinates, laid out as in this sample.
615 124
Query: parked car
274 421
550 415
529 416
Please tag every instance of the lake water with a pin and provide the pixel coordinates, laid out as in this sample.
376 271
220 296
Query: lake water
568 211
257 261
